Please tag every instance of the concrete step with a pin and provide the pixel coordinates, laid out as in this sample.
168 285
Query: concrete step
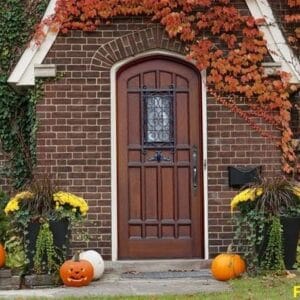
164 265
200 274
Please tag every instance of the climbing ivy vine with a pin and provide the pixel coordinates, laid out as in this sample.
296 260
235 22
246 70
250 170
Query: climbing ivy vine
293 17
17 110
220 39
291 24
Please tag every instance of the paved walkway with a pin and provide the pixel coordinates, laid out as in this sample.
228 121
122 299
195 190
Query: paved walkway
114 284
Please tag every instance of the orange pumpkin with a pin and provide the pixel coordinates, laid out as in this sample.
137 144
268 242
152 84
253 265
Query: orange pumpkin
2 256
77 272
227 266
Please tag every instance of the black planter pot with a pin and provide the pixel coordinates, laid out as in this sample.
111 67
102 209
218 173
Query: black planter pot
60 231
290 236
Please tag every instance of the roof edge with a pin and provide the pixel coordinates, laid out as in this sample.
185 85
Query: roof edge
23 73
278 48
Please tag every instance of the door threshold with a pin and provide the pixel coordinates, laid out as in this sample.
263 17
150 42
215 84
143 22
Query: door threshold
155 265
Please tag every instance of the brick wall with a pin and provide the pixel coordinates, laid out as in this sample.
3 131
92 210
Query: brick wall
74 136
74 116
231 142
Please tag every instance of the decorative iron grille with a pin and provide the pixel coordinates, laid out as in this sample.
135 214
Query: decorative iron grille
158 117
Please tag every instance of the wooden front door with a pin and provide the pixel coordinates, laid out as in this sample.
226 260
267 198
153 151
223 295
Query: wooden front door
160 196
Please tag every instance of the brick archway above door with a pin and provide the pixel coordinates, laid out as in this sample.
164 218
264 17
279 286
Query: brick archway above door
132 44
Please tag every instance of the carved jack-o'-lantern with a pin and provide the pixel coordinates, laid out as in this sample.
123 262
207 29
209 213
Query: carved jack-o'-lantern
77 272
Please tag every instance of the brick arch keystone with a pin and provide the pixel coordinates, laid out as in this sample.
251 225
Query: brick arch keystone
134 43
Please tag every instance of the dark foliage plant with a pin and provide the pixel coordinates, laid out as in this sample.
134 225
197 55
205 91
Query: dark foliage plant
258 228
46 258
42 203
278 196
272 257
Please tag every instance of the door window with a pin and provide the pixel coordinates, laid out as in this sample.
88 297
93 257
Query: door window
158 117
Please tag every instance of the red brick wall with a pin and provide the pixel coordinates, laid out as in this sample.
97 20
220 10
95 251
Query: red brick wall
74 128
231 142
74 116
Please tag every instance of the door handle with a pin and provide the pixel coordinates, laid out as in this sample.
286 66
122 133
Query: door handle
195 177
195 167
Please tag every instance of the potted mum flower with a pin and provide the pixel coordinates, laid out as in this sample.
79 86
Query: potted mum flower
268 223
44 215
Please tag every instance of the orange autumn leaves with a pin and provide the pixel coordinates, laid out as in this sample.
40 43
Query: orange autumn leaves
294 18
219 39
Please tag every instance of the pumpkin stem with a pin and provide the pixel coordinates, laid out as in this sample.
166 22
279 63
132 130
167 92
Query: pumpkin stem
76 256
229 248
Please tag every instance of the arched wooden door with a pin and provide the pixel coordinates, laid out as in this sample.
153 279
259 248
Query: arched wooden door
159 160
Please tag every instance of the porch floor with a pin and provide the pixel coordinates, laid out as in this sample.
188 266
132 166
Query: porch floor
138 278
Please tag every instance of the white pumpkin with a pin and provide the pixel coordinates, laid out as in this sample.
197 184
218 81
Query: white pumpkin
96 260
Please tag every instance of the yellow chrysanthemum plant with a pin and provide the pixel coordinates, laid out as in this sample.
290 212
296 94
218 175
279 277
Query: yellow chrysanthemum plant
64 205
265 211
274 196
42 216
77 204
249 194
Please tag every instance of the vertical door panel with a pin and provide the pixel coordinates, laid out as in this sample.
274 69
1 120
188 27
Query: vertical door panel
134 193
184 197
150 78
151 190
182 118
134 111
165 79
168 193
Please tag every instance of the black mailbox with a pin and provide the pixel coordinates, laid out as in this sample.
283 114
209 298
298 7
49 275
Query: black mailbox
240 176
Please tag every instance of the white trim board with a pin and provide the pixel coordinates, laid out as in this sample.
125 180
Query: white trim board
276 43
113 87
24 72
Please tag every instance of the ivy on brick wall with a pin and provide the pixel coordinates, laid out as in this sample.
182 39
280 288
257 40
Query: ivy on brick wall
221 39
235 70
17 110
293 18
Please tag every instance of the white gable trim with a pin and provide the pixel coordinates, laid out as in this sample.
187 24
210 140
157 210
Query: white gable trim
276 43
24 72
